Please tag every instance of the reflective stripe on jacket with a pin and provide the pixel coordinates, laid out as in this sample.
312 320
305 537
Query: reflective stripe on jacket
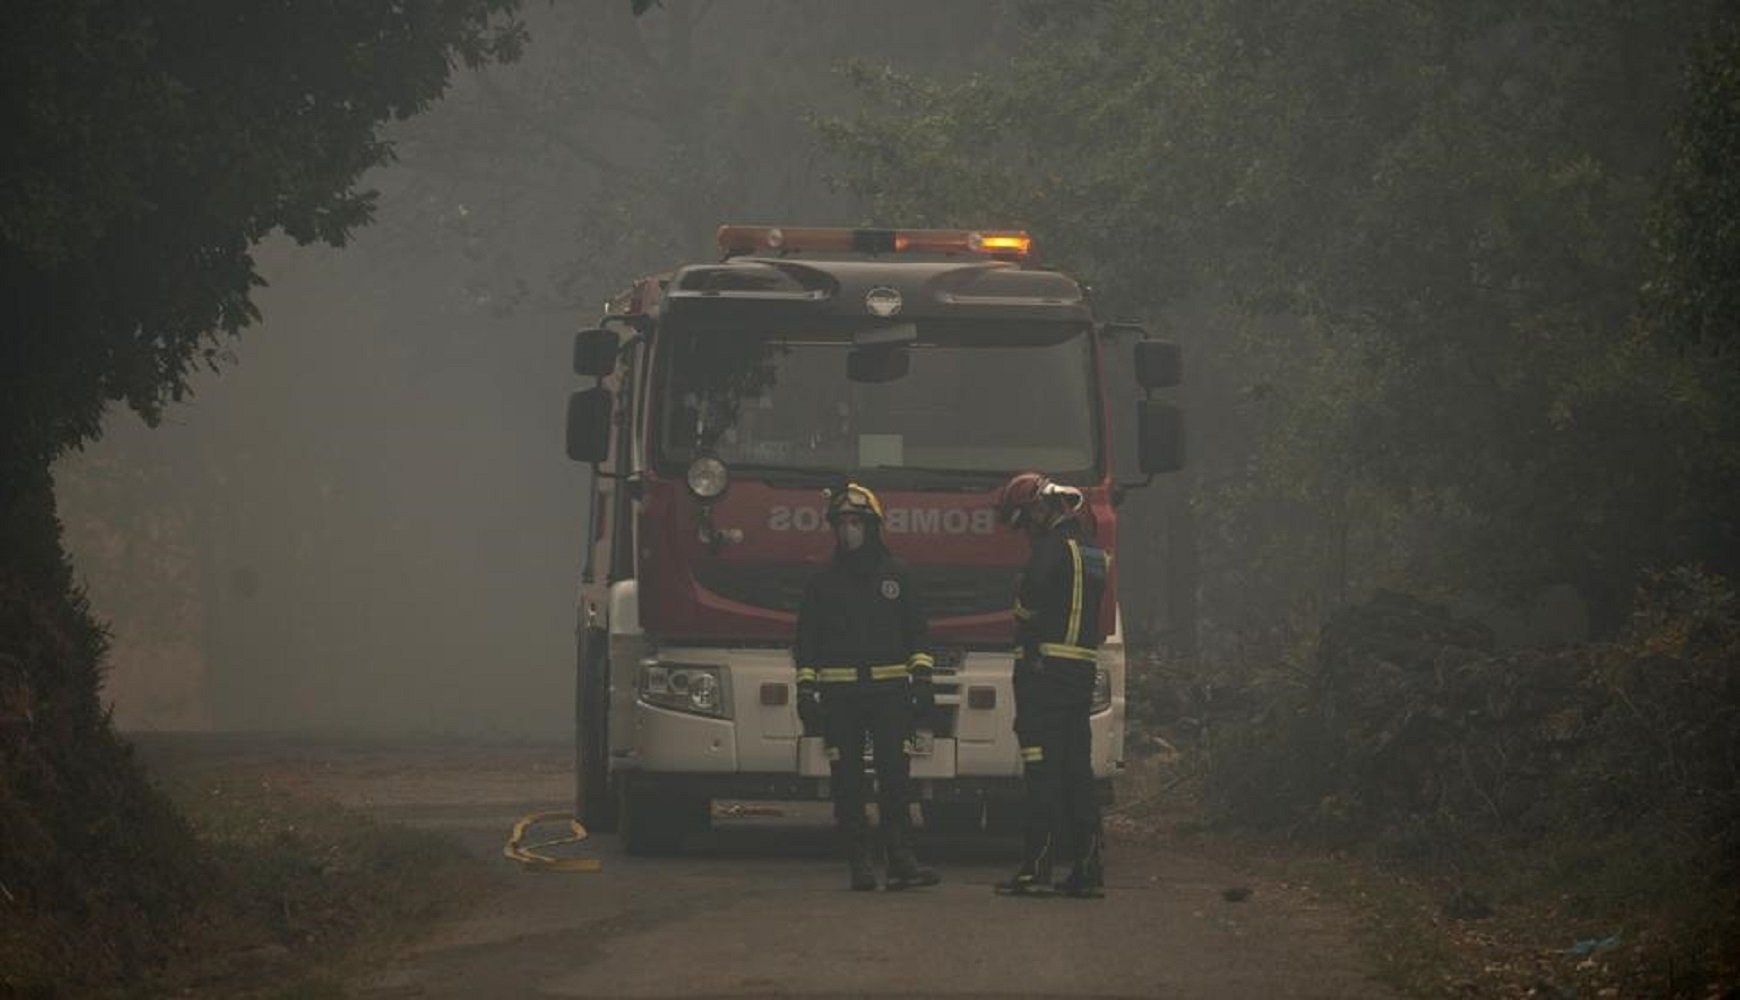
861 622
1057 608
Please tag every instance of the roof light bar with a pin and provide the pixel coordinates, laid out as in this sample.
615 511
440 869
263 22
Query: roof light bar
1019 244
1002 244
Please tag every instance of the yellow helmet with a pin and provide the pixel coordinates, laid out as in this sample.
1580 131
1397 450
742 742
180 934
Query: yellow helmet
853 499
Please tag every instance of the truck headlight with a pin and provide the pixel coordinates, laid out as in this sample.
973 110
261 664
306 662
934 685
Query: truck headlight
1102 691
684 687
708 477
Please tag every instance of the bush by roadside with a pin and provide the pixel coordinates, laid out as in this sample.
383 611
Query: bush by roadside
282 895
95 866
191 885
1573 814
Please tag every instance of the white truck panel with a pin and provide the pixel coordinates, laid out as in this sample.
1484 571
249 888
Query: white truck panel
627 646
667 740
1108 727
767 735
992 730
760 738
941 762
624 608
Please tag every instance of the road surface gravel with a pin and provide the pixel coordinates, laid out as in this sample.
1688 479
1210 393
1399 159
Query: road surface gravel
758 906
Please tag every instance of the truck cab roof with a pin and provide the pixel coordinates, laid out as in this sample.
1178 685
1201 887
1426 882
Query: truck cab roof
904 286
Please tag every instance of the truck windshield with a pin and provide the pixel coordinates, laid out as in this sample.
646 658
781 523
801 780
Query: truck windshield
977 401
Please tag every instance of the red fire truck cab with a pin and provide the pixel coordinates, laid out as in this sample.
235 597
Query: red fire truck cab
929 365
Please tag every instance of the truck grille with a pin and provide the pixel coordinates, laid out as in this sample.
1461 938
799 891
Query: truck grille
947 591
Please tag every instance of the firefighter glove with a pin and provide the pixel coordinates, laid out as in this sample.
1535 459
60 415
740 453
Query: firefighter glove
809 707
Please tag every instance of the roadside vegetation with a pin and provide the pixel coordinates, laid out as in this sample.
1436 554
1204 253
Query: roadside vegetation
299 895
1564 821
243 890
149 149
95 865
1449 587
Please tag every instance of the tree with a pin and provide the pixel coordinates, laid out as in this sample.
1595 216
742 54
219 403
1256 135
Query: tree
150 145
1694 297
153 145
1409 238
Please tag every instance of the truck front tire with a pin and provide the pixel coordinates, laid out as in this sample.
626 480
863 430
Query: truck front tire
651 822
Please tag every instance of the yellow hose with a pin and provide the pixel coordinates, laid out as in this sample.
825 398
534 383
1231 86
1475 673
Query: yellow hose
530 854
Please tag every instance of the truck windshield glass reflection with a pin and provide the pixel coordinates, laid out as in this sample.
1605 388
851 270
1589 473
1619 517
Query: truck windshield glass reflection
975 399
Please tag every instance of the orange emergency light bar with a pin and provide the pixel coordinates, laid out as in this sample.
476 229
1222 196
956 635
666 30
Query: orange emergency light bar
1004 244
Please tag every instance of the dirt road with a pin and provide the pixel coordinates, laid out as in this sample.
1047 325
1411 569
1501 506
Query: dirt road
758 906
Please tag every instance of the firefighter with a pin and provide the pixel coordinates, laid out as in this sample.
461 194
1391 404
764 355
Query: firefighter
861 673
1057 630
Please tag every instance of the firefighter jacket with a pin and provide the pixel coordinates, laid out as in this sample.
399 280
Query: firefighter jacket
860 623
1057 605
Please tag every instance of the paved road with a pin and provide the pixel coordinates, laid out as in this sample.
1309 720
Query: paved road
759 907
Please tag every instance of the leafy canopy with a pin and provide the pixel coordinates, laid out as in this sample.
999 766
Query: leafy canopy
1411 238
150 145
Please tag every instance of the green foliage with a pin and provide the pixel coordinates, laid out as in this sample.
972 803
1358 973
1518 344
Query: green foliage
1590 784
288 897
84 840
1694 294
1458 283
150 146
299 891
1407 731
1698 285
1408 240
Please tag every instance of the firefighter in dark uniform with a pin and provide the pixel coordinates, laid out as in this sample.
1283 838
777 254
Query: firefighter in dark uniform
1057 630
862 671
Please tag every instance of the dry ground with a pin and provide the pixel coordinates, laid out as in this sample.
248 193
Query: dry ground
758 906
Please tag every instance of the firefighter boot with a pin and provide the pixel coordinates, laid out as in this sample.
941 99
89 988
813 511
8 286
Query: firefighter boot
860 857
1087 877
904 871
1034 876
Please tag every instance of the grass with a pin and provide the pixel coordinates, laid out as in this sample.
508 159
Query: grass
303 895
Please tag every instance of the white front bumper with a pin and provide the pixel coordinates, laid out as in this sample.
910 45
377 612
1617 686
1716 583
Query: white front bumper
766 739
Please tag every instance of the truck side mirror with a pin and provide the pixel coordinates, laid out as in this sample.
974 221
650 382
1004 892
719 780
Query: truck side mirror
1159 437
595 353
589 412
1159 364
877 364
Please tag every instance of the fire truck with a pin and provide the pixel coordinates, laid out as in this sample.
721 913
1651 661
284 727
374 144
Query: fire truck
929 365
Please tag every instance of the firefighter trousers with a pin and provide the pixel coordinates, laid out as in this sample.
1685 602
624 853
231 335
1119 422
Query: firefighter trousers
1053 699
879 712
